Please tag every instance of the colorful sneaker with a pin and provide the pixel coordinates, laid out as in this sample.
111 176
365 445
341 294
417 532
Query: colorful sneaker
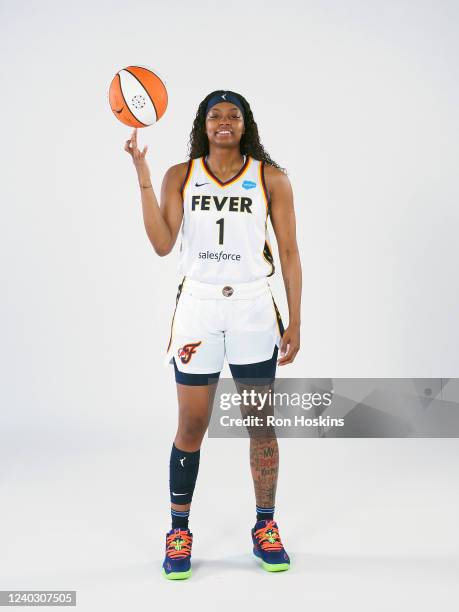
268 547
177 563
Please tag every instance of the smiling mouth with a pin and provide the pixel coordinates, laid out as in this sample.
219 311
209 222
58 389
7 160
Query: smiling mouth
225 132
118 111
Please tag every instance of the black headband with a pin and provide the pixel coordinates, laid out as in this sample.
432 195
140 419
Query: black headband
226 96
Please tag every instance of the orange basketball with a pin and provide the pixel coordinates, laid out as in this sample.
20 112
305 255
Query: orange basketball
137 96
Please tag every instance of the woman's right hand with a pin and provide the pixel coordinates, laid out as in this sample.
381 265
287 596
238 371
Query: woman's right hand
138 156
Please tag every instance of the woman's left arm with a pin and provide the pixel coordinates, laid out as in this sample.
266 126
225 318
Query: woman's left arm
283 221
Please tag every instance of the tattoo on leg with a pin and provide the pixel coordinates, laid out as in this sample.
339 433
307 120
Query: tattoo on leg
264 463
264 450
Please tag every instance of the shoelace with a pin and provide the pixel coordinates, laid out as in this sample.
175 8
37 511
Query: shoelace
268 537
178 544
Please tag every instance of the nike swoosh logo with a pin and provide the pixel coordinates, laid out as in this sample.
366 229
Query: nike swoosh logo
200 184
179 493
118 111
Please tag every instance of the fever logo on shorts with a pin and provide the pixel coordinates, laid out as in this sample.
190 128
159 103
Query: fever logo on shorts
187 351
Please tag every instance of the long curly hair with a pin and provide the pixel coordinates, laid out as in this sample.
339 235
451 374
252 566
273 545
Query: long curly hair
198 145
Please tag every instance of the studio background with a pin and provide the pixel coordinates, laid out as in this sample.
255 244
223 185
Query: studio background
358 101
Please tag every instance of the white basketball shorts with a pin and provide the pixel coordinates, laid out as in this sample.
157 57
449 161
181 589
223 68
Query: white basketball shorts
210 321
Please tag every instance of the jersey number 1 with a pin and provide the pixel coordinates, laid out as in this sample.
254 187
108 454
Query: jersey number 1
221 230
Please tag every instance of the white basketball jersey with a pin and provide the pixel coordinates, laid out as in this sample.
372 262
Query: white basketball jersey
224 233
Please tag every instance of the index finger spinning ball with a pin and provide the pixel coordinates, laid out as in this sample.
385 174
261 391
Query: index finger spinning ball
137 96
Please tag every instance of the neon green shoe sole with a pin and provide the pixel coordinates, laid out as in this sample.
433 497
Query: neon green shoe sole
274 567
177 575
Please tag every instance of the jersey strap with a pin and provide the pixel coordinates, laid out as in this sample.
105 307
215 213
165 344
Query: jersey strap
186 180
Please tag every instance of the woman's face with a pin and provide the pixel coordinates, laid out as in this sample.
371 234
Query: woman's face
224 125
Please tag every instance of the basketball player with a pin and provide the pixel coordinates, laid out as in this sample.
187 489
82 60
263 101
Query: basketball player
222 197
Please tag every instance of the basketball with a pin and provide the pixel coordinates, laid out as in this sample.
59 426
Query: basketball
137 96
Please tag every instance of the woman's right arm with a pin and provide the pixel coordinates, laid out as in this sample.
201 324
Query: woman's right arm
162 223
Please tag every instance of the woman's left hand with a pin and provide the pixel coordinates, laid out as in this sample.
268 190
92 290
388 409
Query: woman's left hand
290 345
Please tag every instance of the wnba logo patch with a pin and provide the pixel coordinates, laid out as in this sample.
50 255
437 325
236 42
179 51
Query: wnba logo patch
187 351
249 184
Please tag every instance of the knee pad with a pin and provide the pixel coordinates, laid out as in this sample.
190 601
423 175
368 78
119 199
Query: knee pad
183 473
